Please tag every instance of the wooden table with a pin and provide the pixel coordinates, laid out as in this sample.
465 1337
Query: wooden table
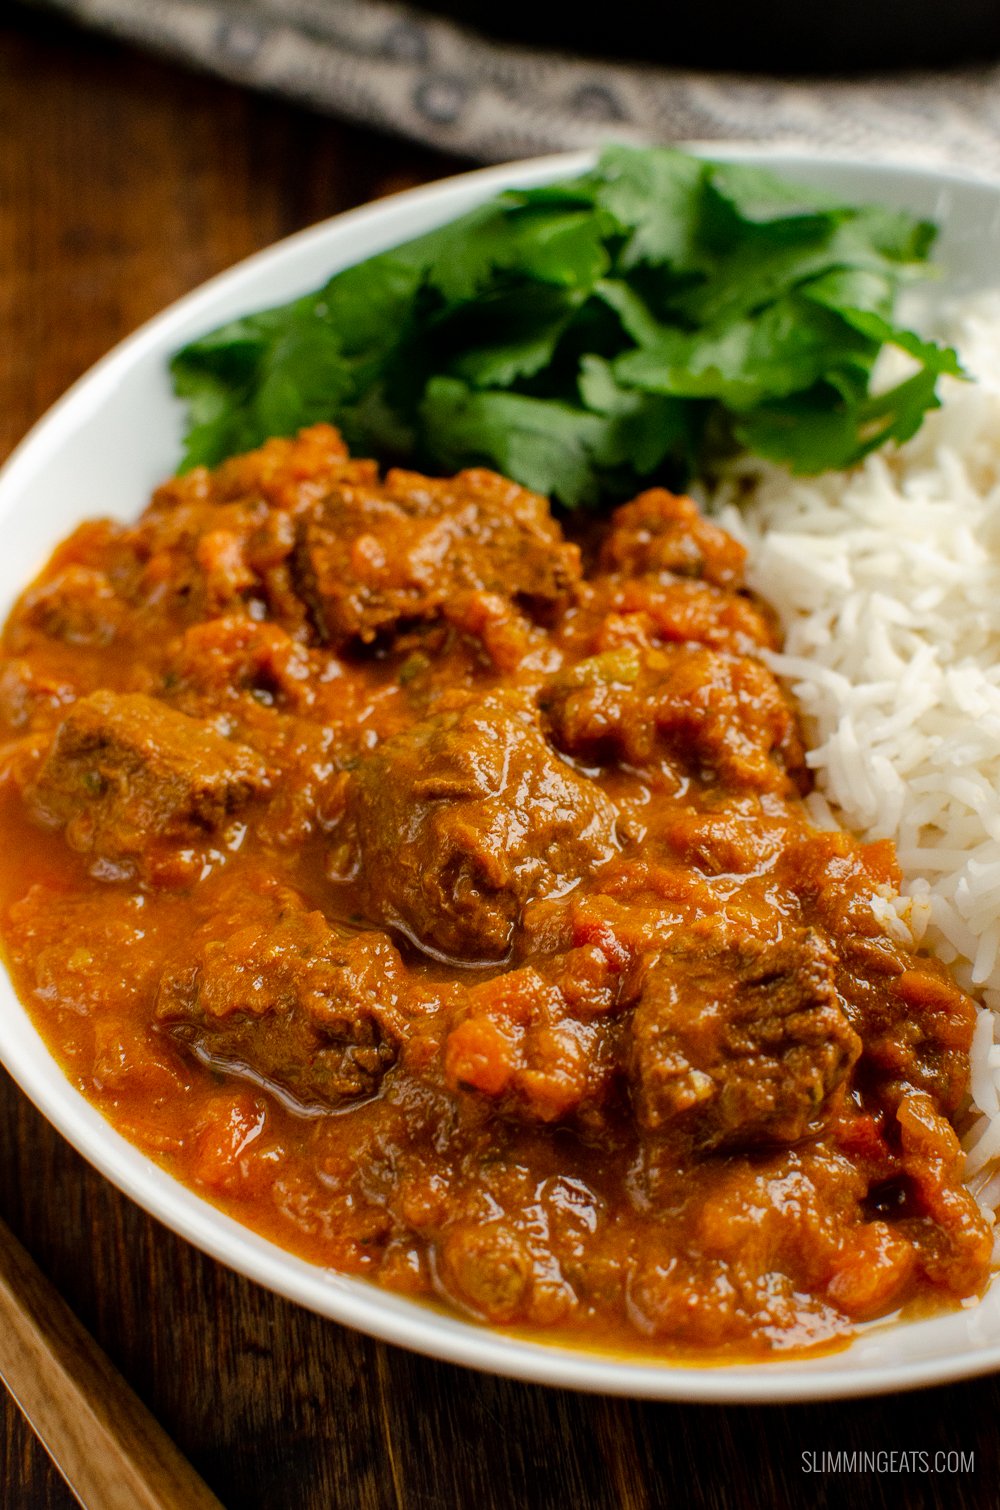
124 182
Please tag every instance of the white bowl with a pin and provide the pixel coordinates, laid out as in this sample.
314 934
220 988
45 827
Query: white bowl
100 451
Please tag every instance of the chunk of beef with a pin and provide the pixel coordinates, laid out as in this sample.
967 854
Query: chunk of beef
729 836
190 559
915 1023
646 611
273 992
219 542
541 1042
225 657
660 532
368 557
124 771
740 1042
465 817
78 606
725 713
30 697
314 540
286 472
934 1164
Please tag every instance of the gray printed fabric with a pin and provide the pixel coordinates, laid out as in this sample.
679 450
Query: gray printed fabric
394 67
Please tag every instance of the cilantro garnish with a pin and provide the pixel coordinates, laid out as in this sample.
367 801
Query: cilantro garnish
633 325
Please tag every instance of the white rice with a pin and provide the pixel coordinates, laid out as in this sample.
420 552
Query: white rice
887 583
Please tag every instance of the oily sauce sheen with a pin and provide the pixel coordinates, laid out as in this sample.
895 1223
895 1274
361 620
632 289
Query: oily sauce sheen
436 894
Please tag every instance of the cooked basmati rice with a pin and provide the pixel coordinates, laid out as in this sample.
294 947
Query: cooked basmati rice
887 583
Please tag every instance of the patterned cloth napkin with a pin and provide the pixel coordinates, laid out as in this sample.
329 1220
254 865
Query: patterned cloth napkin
392 66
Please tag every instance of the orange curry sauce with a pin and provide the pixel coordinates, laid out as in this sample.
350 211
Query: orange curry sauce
437 896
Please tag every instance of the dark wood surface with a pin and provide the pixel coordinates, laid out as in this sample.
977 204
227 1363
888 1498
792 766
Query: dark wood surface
124 182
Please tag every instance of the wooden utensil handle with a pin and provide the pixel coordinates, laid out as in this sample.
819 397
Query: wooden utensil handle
109 1449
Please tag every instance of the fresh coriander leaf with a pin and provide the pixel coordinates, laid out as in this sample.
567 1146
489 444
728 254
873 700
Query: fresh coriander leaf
785 349
898 236
552 244
367 305
589 334
654 195
643 428
811 434
219 420
249 335
632 310
374 426
846 293
600 389
898 413
545 445
757 270
567 249
580 192
506 336
857 288
758 197
303 379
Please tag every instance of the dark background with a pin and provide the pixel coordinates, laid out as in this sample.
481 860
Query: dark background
776 36
123 183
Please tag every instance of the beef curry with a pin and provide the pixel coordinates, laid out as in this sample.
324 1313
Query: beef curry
436 893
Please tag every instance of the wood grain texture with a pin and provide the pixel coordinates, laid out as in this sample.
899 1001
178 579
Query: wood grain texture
124 182
108 1448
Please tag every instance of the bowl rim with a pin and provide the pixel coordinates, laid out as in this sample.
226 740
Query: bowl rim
356 1302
